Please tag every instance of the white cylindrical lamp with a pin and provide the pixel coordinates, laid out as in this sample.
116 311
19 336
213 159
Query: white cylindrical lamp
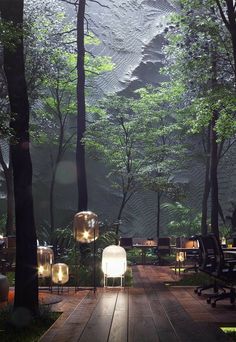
114 261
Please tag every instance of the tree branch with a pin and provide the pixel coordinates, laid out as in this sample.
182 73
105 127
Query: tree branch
64 32
222 14
97 2
70 2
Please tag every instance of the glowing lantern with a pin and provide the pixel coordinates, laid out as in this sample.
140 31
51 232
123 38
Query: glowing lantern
114 262
180 256
45 260
86 228
60 273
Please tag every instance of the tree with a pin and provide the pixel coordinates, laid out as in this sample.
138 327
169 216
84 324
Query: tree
185 220
81 110
41 29
162 143
81 101
197 56
8 38
54 118
116 137
26 280
54 125
227 11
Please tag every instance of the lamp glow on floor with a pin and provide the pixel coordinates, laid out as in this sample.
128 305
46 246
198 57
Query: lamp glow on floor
114 263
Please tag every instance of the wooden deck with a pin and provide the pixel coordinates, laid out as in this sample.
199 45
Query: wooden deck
150 311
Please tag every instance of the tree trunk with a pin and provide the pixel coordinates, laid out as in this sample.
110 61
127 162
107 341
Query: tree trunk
26 279
10 223
233 38
53 181
8 174
207 185
214 178
51 204
232 29
81 116
122 206
158 213
229 20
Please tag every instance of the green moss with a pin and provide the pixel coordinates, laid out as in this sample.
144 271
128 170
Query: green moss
9 332
230 331
193 279
11 278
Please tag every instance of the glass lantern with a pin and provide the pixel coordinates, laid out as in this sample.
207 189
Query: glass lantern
86 228
114 262
45 258
180 256
60 274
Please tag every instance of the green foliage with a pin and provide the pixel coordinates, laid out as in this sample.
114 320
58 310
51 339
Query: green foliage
11 330
10 35
199 57
230 332
3 219
137 139
161 137
185 221
116 136
193 279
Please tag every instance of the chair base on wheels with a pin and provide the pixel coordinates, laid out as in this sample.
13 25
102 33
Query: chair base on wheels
215 286
231 294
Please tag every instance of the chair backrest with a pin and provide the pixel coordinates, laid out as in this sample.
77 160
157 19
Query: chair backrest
139 241
207 253
180 241
220 260
163 245
126 242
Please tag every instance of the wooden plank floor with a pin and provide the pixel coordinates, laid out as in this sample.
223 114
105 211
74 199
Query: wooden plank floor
148 312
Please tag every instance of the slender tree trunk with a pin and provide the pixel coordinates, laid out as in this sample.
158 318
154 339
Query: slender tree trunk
229 20
26 279
53 181
214 178
81 116
207 185
8 174
158 213
10 223
122 206
81 124
232 29
233 38
51 203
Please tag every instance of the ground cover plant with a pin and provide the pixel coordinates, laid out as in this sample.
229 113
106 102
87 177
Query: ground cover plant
13 328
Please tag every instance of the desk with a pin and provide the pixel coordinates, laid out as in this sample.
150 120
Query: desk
144 250
229 251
